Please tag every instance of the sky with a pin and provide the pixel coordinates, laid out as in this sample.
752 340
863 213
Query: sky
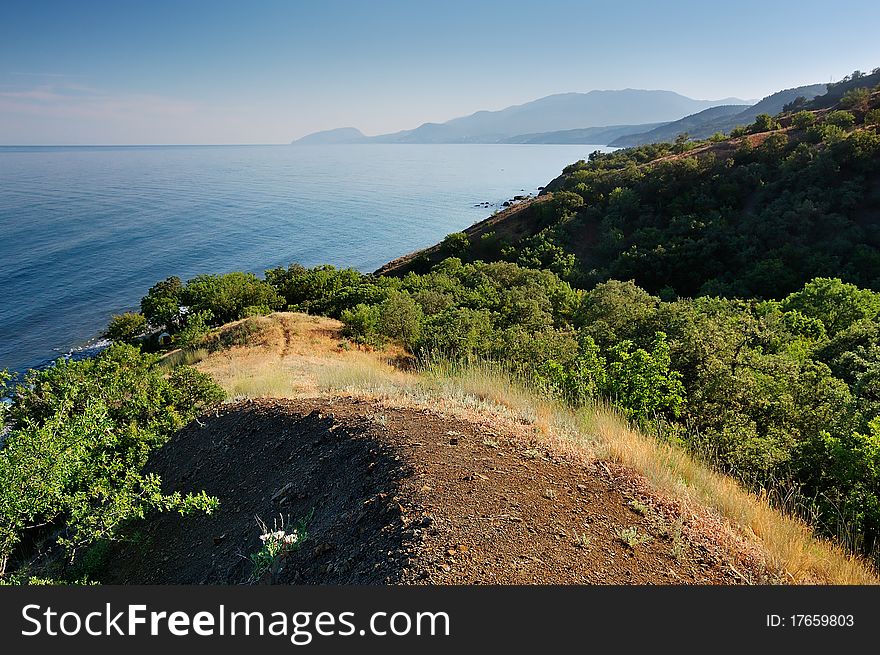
199 72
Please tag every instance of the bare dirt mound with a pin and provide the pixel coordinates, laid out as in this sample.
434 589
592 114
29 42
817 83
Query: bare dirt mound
401 496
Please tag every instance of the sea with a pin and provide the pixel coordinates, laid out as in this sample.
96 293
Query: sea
85 231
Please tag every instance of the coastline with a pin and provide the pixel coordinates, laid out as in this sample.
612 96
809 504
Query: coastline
97 343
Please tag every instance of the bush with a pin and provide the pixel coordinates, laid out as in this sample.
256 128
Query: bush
316 290
80 434
826 133
455 244
362 324
126 328
842 119
227 296
161 305
857 99
764 123
197 326
643 382
843 473
872 117
803 119
256 310
400 319
836 304
578 381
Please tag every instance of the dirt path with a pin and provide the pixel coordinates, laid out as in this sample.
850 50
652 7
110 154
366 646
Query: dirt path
403 496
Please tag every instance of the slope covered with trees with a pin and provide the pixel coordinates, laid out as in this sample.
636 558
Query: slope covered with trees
782 201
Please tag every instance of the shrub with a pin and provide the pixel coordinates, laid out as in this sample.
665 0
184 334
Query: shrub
836 304
362 324
80 434
764 123
227 296
126 328
161 305
643 382
256 310
400 318
455 244
803 119
841 119
578 381
198 325
857 99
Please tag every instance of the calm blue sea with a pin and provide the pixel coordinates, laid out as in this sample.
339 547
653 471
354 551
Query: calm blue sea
85 231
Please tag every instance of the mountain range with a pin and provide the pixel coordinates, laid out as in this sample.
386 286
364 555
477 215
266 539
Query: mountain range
623 118
617 113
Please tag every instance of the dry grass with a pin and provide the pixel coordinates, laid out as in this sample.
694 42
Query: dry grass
289 355
300 355
602 433
789 541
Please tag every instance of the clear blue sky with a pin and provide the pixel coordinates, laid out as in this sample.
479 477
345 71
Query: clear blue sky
269 71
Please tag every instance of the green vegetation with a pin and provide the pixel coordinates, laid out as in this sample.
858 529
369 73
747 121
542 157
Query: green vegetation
792 198
782 394
79 435
126 328
277 542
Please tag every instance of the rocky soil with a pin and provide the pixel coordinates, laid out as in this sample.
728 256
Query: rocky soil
402 496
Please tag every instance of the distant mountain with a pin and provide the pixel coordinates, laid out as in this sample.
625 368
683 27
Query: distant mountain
720 119
339 135
564 111
597 135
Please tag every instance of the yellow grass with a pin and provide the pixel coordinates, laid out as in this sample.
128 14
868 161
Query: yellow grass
289 355
302 356
604 434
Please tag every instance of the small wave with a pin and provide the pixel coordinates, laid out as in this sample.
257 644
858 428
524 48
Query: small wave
85 351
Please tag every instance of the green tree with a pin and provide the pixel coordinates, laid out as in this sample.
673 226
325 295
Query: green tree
764 123
837 304
455 244
803 119
161 305
642 382
400 319
858 99
197 324
362 324
842 119
80 434
126 328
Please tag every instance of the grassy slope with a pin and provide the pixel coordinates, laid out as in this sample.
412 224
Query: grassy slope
293 355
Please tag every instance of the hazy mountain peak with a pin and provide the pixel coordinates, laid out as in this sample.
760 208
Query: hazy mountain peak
337 135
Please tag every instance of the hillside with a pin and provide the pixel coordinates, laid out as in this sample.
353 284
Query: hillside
406 481
685 335
746 216
720 119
